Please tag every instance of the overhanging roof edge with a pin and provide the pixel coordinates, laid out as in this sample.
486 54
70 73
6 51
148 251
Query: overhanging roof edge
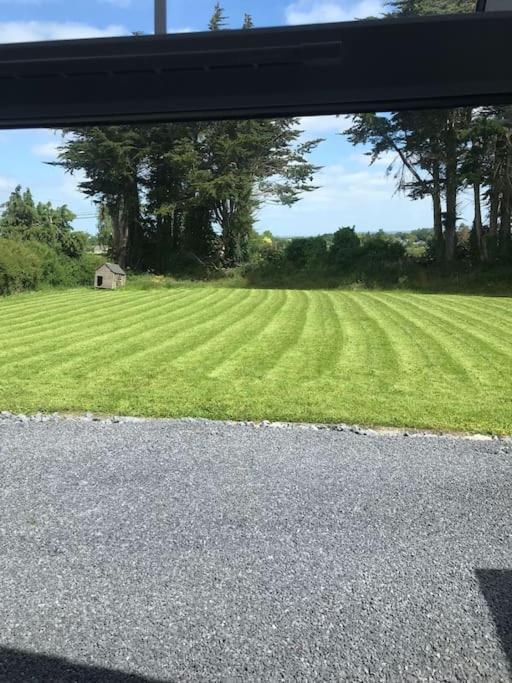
297 70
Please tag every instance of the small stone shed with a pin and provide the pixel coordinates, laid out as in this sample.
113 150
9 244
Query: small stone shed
109 276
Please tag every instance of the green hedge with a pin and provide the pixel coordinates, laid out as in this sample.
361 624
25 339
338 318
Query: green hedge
30 265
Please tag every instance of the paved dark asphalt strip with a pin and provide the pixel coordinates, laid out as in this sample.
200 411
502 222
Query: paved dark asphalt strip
201 551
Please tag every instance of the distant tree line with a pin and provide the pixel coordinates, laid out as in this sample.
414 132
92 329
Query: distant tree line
347 258
342 256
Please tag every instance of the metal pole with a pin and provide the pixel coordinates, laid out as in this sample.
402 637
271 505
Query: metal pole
160 16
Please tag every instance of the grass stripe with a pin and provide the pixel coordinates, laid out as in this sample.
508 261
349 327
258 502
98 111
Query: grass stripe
144 329
71 317
316 350
155 356
234 361
432 356
280 336
40 304
331 337
478 341
484 320
225 340
382 359
347 319
89 339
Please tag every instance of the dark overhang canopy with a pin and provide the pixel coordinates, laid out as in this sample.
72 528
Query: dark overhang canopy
373 65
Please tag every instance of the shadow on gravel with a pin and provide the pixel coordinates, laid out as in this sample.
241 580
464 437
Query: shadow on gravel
17 667
496 587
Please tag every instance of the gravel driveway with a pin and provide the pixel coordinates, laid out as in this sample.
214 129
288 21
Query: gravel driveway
199 551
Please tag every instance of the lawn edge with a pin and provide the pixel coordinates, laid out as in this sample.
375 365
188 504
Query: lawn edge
39 417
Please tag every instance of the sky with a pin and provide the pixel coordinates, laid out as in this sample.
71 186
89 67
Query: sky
350 192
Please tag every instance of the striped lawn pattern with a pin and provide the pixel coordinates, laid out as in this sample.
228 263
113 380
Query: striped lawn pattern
369 357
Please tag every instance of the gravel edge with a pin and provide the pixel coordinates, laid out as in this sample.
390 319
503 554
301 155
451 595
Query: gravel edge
21 418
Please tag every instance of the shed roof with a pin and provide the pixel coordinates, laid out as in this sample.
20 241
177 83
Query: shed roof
114 268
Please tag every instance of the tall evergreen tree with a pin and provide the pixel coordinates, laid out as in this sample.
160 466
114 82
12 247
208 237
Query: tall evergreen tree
248 22
426 7
245 163
428 145
218 19
111 159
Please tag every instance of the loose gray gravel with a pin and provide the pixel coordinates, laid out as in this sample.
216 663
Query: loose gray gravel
202 551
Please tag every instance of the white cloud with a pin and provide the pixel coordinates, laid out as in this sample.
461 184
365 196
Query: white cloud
365 198
184 29
315 12
46 149
320 125
30 31
336 185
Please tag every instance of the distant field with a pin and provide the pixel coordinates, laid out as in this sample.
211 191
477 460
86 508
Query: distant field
374 358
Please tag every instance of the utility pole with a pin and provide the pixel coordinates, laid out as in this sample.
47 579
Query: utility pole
160 17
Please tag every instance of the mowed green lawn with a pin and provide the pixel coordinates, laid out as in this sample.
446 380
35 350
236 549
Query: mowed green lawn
373 358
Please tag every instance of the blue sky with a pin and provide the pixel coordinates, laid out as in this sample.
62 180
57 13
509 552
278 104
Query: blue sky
351 192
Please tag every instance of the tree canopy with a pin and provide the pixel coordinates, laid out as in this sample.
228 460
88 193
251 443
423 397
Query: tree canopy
22 220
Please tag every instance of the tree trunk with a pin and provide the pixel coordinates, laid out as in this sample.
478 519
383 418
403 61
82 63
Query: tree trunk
450 227
505 218
124 235
437 213
177 229
494 206
198 234
135 255
230 244
114 219
119 232
478 236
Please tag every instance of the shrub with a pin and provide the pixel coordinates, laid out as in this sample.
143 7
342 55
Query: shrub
306 252
79 272
345 248
20 267
380 249
31 264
